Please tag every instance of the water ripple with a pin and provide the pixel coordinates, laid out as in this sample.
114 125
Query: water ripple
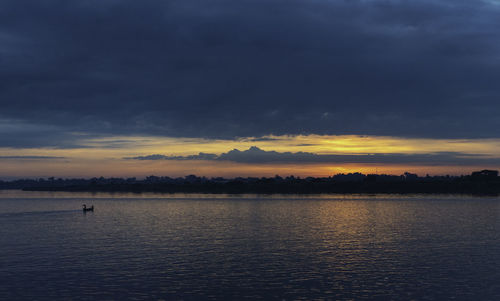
212 249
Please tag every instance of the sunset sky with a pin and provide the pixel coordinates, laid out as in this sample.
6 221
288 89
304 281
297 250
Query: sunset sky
248 87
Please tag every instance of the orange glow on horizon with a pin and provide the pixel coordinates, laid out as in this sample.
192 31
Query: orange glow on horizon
105 156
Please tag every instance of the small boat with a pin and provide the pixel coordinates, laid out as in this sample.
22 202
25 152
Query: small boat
85 209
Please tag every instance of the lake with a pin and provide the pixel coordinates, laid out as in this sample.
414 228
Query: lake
234 247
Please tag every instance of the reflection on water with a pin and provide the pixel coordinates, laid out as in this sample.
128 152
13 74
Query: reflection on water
235 247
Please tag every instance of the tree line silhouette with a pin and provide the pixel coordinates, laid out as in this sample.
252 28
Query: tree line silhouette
485 182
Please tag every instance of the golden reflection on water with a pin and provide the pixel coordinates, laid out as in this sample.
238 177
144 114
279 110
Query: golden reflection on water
233 247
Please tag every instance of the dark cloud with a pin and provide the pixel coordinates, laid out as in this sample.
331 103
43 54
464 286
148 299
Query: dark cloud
249 68
30 158
255 155
200 156
259 139
23 134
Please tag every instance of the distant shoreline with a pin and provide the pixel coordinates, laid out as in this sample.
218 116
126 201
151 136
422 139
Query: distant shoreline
485 182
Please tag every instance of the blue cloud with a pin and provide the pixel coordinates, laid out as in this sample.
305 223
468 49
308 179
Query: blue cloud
249 68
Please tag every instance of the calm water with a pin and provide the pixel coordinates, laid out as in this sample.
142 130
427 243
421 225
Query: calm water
248 247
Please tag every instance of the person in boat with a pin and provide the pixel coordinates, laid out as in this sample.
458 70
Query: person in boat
87 209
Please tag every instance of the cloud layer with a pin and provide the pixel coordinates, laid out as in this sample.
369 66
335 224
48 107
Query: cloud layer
248 68
255 155
30 158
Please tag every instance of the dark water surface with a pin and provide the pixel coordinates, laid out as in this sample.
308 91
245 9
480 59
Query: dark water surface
188 247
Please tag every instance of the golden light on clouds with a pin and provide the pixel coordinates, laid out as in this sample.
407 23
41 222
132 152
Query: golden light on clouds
106 156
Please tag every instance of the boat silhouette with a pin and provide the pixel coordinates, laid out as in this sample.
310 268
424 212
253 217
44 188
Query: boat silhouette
85 209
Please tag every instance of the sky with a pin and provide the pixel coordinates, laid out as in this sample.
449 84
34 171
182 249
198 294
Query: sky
248 87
